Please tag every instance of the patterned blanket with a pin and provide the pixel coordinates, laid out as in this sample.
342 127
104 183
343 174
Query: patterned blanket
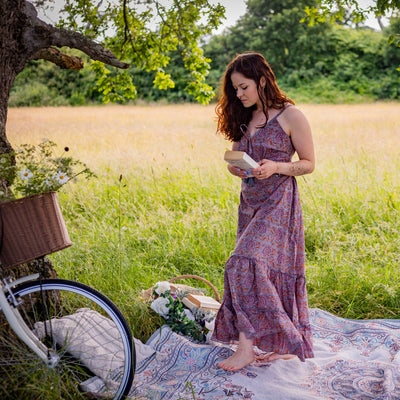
354 359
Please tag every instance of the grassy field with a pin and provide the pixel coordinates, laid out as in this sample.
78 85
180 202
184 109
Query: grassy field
163 203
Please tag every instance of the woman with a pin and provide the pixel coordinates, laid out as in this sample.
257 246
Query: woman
265 298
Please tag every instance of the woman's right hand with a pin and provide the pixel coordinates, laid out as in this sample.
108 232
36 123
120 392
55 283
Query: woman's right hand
237 172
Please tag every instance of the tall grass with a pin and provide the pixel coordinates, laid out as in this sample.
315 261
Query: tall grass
163 204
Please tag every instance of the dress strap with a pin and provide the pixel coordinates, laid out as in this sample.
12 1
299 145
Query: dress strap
280 112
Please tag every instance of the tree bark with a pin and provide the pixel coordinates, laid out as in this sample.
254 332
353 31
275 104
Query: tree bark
57 57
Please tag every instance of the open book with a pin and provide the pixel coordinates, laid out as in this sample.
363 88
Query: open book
240 159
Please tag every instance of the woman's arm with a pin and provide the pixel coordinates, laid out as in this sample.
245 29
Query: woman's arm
295 124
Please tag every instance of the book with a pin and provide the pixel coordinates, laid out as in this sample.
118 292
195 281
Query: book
201 301
240 159
177 287
188 304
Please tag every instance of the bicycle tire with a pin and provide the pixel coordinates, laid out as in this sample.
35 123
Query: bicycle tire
96 354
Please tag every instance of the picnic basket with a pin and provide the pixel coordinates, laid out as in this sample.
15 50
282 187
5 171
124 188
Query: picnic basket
31 227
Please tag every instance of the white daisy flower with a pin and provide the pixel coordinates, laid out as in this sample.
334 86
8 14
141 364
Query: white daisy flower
25 174
162 287
61 177
49 182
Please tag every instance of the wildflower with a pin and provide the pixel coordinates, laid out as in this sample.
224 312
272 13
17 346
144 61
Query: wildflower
49 182
25 174
61 178
34 169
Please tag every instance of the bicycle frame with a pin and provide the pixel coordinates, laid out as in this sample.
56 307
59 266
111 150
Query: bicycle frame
9 306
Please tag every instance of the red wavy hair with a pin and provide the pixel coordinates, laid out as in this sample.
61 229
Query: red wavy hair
230 111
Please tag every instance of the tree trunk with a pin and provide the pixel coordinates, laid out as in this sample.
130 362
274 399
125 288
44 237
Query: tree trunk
14 54
10 63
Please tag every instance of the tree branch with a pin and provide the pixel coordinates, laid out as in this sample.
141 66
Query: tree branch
57 57
379 19
62 37
43 36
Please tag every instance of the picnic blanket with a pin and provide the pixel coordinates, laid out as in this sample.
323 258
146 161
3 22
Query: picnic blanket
354 359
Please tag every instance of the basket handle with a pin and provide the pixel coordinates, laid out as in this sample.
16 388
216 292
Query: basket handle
177 278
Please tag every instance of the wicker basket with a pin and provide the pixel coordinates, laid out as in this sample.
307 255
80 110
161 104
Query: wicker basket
31 227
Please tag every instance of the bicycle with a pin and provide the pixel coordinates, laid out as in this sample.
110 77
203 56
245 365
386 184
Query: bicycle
63 339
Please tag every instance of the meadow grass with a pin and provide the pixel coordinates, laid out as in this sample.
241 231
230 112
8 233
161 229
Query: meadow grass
164 205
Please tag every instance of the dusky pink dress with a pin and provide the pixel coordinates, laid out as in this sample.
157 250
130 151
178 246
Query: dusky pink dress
265 292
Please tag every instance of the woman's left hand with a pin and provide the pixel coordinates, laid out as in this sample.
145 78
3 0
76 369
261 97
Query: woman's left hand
265 170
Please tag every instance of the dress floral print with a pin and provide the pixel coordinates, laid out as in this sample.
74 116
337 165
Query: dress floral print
265 287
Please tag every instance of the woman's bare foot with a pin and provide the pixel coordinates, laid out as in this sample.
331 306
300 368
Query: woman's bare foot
269 357
237 361
243 356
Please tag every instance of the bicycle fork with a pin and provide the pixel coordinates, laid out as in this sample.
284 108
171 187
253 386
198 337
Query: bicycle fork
9 307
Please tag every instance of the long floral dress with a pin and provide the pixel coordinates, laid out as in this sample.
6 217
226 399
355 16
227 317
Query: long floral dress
265 287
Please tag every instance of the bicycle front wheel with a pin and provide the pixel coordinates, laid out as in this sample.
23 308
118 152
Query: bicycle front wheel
90 344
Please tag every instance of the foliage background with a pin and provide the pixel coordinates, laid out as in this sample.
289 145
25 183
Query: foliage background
321 63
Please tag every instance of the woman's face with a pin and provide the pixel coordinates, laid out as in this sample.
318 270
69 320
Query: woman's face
246 90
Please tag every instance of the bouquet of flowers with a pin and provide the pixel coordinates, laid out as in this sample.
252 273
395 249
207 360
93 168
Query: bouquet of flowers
35 169
195 323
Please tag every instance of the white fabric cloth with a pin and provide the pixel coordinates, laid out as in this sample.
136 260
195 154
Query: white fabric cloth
93 339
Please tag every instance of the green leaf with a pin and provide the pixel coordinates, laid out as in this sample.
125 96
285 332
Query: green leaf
116 86
163 81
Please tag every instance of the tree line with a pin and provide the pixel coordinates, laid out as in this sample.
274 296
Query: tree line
324 62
